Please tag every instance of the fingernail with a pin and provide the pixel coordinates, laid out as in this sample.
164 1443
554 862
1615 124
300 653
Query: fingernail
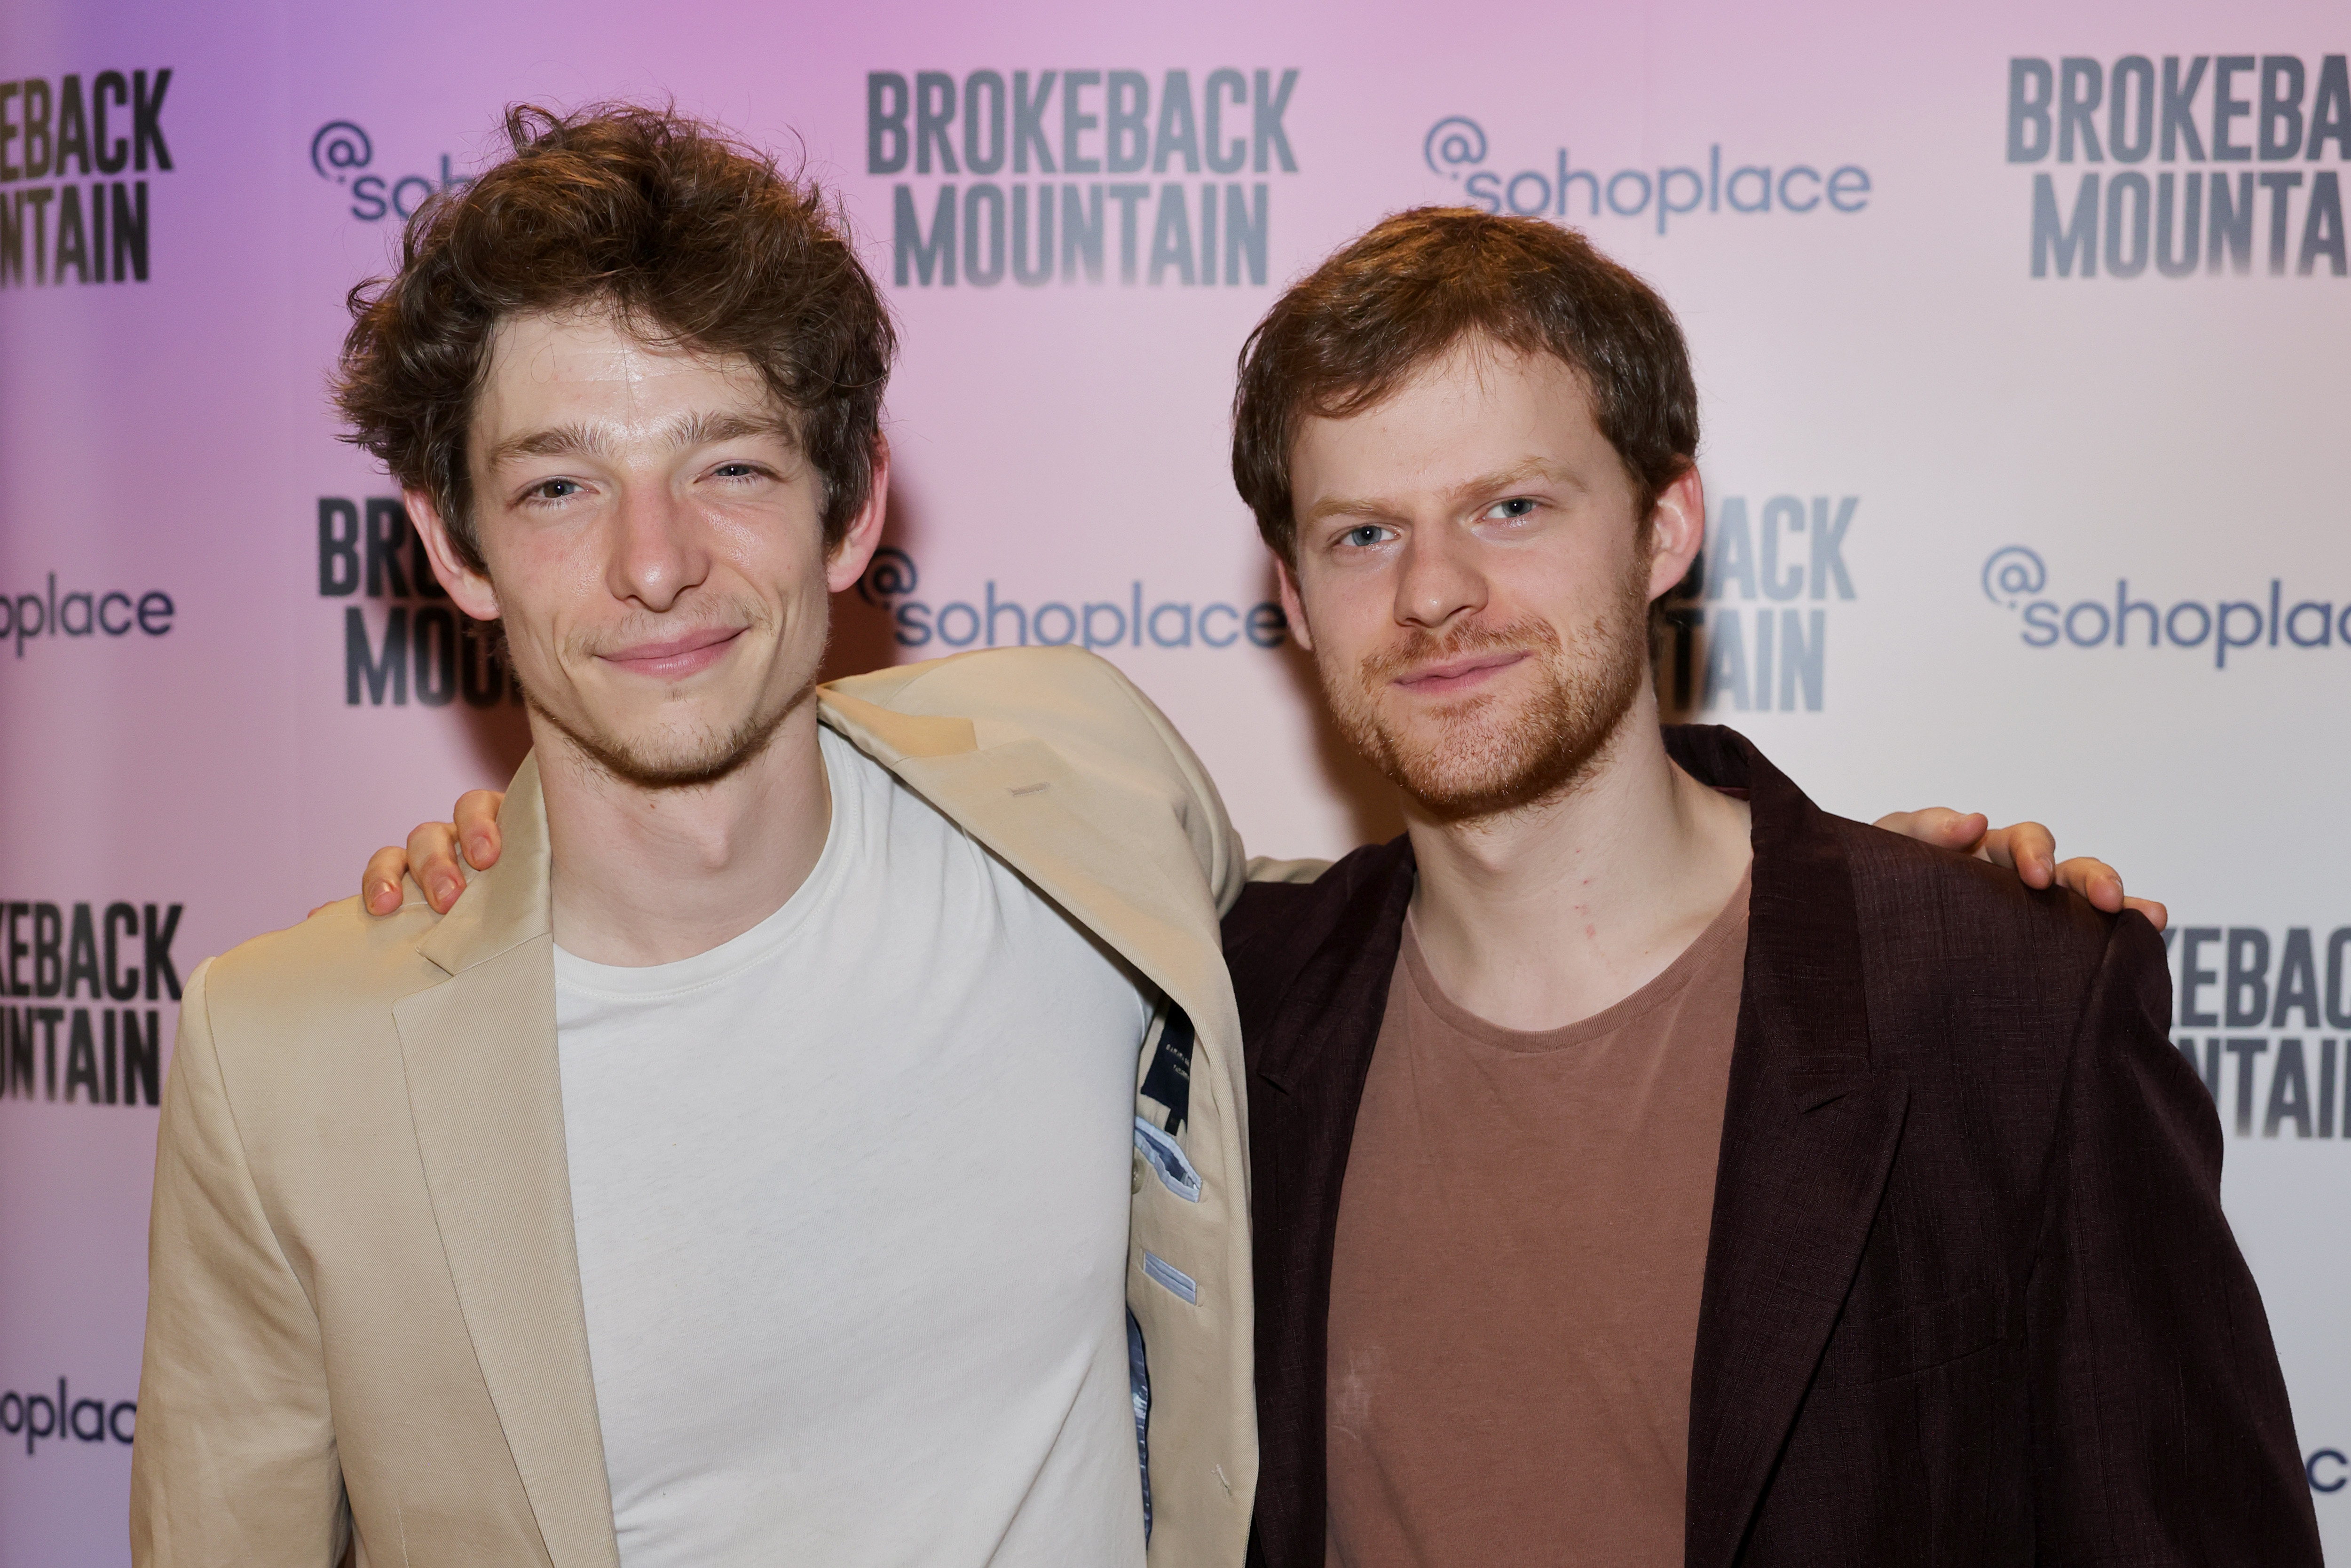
376 895
479 851
445 890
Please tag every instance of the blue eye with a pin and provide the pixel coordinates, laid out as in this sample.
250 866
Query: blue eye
1364 537
1516 507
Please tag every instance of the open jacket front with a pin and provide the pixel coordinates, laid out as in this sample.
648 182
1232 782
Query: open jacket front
1969 1297
365 1325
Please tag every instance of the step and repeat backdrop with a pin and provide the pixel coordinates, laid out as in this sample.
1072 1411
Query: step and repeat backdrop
2022 336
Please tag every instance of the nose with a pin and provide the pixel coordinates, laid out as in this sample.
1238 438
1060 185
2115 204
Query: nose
658 550
1440 580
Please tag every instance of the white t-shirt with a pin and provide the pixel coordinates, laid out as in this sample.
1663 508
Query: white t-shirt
851 1195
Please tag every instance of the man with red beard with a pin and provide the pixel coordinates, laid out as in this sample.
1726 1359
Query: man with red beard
1650 1167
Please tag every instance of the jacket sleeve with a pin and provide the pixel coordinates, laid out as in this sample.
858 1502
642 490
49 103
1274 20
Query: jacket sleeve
233 1463
2161 1431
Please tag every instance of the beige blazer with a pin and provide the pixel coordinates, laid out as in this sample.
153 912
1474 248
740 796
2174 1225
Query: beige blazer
365 1328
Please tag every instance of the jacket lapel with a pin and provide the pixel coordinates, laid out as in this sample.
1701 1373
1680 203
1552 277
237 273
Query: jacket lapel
486 1097
1809 1135
1124 856
1066 835
1316 1027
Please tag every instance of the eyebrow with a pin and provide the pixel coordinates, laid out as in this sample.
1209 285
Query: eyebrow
1484 484
699 429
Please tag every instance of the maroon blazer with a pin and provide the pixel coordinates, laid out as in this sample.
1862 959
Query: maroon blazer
1969 1298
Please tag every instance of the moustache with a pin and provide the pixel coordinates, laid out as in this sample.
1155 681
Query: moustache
1529 634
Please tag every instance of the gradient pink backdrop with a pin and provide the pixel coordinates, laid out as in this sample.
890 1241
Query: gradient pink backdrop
1066 442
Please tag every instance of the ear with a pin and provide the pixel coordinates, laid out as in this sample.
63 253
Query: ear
469 590
849 558
1292 606
1677 531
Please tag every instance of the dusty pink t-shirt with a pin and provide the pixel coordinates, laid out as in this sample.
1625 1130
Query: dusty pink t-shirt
1514 1300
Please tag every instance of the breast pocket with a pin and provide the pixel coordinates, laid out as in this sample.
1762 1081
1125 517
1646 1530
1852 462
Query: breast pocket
1898 1344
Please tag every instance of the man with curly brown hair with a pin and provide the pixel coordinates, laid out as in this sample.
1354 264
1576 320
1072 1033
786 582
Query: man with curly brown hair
751 1166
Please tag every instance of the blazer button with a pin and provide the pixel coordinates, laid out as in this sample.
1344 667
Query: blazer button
1134 1186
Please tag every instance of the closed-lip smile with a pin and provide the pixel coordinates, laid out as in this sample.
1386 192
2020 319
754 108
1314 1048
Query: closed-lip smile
1459 674
675 658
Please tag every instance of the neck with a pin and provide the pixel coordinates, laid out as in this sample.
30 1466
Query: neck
1545 915
649 876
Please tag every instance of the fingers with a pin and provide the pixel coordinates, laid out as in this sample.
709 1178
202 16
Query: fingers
2027 849
478 826
433 861
2102 885
431 856
1940 826
379 883
2094 880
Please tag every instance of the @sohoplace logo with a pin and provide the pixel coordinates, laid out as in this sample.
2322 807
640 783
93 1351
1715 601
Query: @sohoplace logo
38 1416
342 150
2015 579
890 582
82 613
1456 147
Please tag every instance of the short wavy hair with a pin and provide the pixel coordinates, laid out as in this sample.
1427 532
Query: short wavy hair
1346 336
692 239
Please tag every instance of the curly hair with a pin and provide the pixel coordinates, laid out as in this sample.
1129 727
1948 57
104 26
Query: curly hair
1348 334
694 240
